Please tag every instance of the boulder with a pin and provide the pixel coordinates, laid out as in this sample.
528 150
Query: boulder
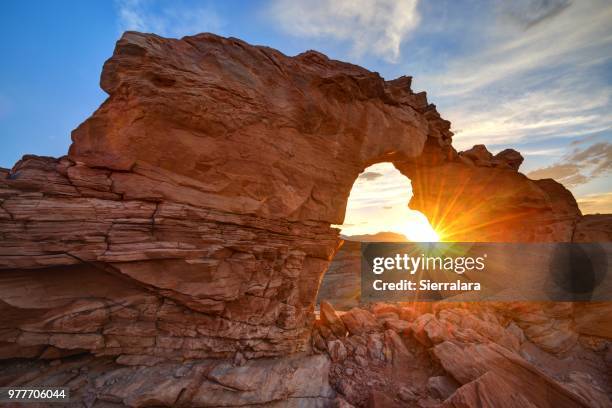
399 354
479 155
337 351
518 377
428 330
359 321
330 318
510 158
441 386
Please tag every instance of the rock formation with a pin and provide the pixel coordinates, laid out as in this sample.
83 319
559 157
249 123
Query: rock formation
201 194
455 355
191 218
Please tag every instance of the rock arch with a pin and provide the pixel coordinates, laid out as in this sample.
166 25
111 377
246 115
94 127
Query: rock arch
191 216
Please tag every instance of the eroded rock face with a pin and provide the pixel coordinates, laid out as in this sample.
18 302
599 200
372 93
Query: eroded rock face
341 283
594 228
191 217
460 355
296 381
483 198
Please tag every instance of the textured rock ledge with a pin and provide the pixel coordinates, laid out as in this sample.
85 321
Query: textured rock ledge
298 381
388 355
135 276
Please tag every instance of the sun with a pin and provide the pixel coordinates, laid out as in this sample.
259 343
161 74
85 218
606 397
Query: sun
416 228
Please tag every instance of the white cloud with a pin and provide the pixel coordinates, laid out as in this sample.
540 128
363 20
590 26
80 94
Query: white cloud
538 75
576 36
596 203
374 27
530 12
554 152
568 108
579 166
168 19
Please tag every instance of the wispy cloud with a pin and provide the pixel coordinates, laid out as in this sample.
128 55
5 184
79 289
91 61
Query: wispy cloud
540 73
530 12
570 106
557 151
596 203
167 18
370 175
579 166
375 27
575 36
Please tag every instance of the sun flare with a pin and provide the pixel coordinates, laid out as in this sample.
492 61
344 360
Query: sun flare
379 203
417 228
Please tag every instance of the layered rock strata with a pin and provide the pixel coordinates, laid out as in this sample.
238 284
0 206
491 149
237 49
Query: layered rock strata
136 381
191 217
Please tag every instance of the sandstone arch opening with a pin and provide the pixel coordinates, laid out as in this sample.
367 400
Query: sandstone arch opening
377 210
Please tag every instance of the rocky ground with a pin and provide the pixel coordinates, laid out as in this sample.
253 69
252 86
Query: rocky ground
461 355
300 380
385 355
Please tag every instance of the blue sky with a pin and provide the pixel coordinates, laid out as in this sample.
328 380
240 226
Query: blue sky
535 75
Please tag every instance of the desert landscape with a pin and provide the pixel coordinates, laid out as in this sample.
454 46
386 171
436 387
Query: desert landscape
182 252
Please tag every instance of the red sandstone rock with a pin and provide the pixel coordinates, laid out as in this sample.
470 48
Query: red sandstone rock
340 284
473 362
479 155
488 390
191 219
427 329
397 325
513 208
381 400
359 321
594 228
381 308
594 318
336 350
330 318
162 198
400 356
441 387
510 158
292 380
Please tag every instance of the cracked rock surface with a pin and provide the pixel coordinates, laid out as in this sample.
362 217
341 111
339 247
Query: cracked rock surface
458 355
